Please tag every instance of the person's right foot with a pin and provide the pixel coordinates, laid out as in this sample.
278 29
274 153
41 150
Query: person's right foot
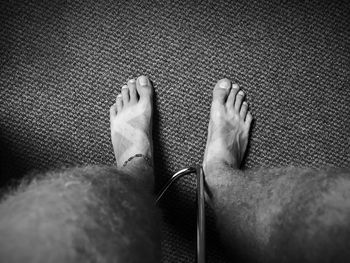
228 129
131 121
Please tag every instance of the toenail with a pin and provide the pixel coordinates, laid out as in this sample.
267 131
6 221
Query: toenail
119 96
241 93
224 85
234 86
132 80
143 81
124 87
245 103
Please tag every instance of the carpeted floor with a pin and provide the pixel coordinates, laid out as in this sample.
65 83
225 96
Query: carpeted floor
63 62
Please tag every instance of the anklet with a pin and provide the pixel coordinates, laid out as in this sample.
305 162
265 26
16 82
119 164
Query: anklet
146 158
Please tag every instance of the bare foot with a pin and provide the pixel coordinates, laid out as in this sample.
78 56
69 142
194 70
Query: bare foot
131 123
228 129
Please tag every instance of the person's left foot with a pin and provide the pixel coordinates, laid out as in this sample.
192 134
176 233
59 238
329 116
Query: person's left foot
131 122
228 129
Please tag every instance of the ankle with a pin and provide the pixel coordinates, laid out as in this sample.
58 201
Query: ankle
215 167
138 160
219 175
141 167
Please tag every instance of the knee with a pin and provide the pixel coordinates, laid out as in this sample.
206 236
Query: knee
316 226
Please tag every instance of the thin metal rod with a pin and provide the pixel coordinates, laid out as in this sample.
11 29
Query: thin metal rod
176 176
200 216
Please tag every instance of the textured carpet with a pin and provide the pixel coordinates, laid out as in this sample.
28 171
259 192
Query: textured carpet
63 62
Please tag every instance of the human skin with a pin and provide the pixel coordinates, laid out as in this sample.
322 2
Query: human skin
108 214
289 214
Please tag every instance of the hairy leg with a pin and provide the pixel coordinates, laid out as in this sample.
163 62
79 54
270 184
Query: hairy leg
272 215
88 214
286 214
92 214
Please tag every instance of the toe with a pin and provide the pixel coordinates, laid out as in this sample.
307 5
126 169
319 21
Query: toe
132 91
239 100
113 110
119 102
144 87
221 90
244 110
232 97
125 94
248 119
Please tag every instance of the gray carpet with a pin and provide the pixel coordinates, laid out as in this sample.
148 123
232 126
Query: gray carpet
63 62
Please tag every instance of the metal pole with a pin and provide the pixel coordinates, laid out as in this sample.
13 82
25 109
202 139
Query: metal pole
200 216
176 176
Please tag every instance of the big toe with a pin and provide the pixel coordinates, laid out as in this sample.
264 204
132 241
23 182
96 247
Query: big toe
221 90
144 88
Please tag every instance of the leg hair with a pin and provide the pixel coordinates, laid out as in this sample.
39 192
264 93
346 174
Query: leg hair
86 214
